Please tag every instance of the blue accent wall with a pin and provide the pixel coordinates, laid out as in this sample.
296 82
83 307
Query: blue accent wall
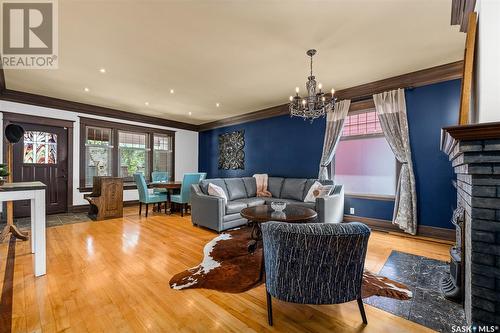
287 147
278 146
377 209
429 109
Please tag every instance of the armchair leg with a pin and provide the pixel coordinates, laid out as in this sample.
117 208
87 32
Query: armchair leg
182 210
269 308
147 210
140 208
166 203
362 310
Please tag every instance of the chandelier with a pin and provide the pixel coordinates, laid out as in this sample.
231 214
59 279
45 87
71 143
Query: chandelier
316 104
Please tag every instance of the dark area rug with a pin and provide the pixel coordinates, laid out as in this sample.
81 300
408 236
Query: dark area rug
24 223
227 266
422 276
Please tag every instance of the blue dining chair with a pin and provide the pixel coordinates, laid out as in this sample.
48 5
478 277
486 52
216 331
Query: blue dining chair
159 177
146 197
184 198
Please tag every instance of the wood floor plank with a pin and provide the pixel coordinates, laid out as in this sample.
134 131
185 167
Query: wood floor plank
112 276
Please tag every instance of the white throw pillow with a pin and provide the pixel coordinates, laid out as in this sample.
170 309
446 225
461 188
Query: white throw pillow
217 191
310 197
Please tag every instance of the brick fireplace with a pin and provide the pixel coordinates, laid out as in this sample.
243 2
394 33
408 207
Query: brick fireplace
474 151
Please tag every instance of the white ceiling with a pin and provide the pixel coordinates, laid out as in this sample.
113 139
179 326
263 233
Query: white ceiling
247 55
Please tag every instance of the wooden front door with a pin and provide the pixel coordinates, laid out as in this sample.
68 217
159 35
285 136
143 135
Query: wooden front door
42 155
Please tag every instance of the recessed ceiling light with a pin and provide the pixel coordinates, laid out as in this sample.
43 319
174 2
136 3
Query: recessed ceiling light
190 113
86 89
171 91
102 70
217 104
146 103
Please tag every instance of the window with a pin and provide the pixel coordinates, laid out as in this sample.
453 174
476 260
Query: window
366 123
364 162
163 153
98 153
40 148
133 151
120 150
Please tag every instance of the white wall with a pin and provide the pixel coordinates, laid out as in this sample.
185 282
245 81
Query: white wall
186 142
488 61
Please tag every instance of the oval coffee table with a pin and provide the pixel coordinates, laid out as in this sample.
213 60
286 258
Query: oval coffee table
264 213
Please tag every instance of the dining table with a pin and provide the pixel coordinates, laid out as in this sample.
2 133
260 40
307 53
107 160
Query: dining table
170 186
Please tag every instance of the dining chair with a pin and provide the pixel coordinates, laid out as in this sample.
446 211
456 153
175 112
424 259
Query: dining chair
160 177
184 198
314 263
146 197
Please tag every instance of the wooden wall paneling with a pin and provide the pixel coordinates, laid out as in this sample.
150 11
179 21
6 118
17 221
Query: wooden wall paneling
468 70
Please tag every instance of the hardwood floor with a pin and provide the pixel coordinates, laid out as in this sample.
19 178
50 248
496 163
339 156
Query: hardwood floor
112 276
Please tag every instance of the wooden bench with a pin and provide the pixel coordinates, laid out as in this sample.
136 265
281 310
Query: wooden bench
106 199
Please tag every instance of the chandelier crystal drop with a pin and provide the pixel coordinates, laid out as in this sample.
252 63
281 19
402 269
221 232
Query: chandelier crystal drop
316 104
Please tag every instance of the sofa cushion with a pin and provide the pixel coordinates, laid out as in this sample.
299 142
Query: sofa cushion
233 207
311 196
250 186
293 188
309 183
217 181
252 201
274 185
235 188
216 191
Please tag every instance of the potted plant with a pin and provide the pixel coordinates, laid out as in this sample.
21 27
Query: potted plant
4 172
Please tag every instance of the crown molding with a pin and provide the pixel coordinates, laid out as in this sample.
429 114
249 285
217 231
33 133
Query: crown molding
361 95
65 105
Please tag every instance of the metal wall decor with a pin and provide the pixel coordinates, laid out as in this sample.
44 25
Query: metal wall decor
231 154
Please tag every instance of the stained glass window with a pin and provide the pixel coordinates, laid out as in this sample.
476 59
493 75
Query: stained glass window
365 123
40 147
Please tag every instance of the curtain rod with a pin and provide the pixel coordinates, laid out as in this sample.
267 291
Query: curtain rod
369 97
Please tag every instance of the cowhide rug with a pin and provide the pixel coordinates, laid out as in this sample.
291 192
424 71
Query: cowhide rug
227 266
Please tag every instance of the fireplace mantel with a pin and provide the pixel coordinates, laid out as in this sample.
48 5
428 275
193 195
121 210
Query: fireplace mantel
482 131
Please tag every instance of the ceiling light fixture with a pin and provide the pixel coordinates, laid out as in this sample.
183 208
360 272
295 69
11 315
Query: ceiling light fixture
102 70
190 113
316 104
217 104
86 89
171 91
146 103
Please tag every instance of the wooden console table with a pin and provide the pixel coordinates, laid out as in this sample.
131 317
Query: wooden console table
35 192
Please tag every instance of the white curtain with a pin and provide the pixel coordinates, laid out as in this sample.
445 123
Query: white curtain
391 110
334 124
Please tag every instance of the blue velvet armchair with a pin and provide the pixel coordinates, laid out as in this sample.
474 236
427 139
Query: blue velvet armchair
184 198
314 263
159 177
146 197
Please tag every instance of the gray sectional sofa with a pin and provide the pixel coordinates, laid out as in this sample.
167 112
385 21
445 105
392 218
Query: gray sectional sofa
211 212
